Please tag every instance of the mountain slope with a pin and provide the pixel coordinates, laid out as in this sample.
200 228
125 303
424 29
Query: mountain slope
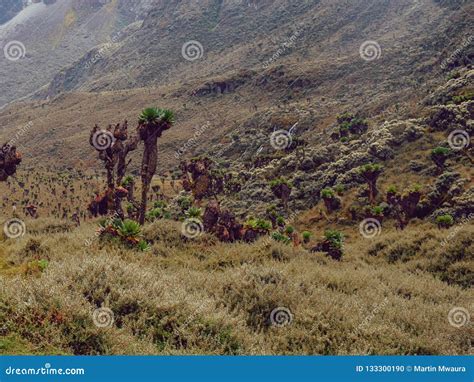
43 38
265 65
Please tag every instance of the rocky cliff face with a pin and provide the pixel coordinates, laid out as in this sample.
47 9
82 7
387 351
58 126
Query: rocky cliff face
46 36
258 35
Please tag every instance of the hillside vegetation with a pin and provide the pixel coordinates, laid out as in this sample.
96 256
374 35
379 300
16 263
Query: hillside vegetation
298 182
201 297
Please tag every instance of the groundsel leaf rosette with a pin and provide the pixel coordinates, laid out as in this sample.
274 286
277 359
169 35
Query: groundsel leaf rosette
369 228
103 317
14 228
458 317
103 140
192 228
280 317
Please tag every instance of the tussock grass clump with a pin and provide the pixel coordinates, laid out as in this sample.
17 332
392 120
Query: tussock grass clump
199 296
448 256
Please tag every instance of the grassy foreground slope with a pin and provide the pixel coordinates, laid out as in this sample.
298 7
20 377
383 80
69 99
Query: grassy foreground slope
389 295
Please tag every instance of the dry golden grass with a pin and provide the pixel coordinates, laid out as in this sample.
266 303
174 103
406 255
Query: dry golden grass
203 297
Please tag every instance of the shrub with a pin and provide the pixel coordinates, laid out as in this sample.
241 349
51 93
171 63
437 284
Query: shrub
127 181
458 99
129 228
160 204
331 202
306 236
289 230
277 236
280 221
444 221
339 188
143 246
281 188
194 213
439 155
453 74
377 210
279 181
327 193
332 245
348 122
258 224
42 264
157 213
335 237
392 189
129 208
128 231
184 202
